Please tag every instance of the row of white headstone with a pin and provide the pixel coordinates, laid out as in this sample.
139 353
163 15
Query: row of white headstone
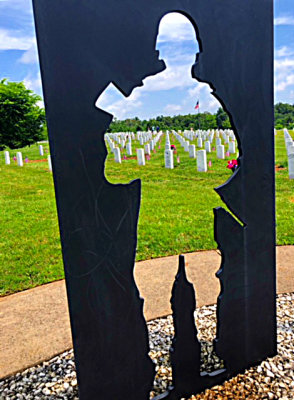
290 152
19 159
148 139
191 148
201 154
169 157
227 135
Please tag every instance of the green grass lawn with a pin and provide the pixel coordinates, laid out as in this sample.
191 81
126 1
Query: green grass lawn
176 212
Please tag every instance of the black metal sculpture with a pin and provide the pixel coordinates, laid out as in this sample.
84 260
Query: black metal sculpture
85 45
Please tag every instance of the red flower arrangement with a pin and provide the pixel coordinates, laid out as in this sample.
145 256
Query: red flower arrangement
173 148
232 165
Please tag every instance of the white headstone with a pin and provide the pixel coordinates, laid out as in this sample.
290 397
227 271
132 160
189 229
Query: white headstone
140 156
289 143
218 141
147 149
199 142
41 150
291 166
169 159
232 147
117 155
207 146
201 161
220 151
186 145
290 149
129 148
49 163
7 157
19 159
112 146
192 151
151 145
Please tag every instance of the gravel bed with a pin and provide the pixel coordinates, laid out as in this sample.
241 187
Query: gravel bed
273 379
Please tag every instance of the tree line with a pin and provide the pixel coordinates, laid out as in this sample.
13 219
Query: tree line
284 118
202 121
23 121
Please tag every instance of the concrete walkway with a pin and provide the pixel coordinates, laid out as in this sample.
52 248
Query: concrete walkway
35 323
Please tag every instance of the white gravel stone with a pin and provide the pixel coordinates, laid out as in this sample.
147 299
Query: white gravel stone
272 379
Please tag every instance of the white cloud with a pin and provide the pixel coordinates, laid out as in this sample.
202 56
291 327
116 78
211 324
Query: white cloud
173 108
203 93
33 83
284 51
285 20
283 84
175 27
175 54
284 73
199 89
284 64
14 40
112 101
30 56
176 77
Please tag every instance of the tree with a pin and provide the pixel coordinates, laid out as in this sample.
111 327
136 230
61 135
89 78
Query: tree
222 119
22 121
284 116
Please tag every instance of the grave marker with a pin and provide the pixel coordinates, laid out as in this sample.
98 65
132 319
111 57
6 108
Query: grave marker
232 147
290 149
192 151
291 165
207 146
49 163
140 156
117 155
147 149
169 159
220 151
129 148
7 157
19 159
201 161
41 150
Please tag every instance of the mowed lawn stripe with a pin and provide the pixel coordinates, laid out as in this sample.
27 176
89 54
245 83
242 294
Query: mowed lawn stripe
176 210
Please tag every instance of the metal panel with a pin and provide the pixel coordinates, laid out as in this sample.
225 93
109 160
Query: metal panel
85 45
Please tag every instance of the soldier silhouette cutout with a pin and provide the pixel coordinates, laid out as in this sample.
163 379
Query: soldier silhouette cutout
83 47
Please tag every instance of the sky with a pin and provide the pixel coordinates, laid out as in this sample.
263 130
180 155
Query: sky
171 92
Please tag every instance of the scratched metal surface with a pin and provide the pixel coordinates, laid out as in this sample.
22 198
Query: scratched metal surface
85 45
